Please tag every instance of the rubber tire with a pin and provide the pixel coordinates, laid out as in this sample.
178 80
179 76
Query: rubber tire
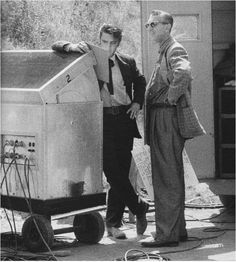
31 237
89 228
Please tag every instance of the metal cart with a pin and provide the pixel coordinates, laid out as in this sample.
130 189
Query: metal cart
51 142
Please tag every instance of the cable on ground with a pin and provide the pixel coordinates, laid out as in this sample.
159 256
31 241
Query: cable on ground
141 255
13 255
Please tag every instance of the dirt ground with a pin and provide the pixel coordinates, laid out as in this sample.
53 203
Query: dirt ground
210 228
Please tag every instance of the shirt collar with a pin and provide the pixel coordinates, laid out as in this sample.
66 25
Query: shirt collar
165 44
113 58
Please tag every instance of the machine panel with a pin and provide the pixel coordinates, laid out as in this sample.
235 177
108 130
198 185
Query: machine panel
25 147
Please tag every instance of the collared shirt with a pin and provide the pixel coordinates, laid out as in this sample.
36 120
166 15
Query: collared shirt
120 96
158 91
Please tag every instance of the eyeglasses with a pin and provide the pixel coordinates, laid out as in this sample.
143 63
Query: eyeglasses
153 24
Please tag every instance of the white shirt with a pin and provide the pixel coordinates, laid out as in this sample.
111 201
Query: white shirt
120 96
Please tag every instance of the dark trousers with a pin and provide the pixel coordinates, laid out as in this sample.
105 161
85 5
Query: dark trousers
117 146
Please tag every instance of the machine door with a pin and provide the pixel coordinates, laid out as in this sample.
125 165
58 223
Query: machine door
192 28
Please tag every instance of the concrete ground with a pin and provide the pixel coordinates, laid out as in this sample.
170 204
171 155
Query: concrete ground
210 229
217 245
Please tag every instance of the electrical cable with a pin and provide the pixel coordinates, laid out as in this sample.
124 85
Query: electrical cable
26 174
12 251
217 229
212 229
141 255
186 249
14 257
31 212
131 250
8 219
9 202
144 254
5 171
200 240
157 254
5 179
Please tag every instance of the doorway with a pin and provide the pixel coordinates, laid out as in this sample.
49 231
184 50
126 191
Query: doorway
223 48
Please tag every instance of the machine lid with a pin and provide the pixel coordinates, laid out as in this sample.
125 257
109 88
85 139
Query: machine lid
31 69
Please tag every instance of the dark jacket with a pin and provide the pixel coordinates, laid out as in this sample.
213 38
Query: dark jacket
134 81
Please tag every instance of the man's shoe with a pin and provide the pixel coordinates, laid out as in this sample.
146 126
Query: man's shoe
115 232
141 220
156 243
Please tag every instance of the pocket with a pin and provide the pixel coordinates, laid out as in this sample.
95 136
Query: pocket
188 122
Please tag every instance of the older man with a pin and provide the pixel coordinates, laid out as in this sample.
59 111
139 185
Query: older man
170 81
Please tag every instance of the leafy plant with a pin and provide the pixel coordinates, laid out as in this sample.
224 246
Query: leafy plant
27 24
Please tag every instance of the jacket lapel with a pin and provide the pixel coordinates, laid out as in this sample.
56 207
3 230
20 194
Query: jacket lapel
100 83
124 68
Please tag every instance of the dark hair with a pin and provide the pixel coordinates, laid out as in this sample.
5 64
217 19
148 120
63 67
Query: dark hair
115 31
167 18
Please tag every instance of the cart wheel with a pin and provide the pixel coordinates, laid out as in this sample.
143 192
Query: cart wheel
89 228
31 236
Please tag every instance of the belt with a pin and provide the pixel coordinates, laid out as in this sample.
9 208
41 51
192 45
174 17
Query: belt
162 105
115 110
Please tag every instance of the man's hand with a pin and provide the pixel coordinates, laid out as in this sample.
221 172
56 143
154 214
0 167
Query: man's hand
81 47
170 101
134 110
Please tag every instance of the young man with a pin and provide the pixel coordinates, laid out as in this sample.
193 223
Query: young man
171 80
122 99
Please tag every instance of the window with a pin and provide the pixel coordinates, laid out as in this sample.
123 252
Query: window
186 27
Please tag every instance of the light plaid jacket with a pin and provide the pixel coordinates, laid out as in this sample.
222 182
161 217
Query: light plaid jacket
175 72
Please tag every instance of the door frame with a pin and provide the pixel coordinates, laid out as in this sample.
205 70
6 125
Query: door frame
201 150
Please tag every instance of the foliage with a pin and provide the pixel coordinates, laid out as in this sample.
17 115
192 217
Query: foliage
27 24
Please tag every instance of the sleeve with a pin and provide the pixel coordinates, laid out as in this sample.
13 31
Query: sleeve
181 73
60 45
139 84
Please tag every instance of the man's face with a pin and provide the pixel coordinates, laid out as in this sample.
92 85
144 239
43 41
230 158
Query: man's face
157 29
109 43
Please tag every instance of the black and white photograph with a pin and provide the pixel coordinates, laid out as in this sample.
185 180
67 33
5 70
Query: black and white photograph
117 130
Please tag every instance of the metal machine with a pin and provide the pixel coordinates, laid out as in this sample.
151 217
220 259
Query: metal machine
51 141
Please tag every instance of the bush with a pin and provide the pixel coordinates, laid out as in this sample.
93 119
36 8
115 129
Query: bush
37 24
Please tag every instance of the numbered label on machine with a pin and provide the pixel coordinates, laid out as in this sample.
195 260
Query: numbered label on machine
18 147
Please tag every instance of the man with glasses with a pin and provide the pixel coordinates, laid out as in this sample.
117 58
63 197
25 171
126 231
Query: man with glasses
122 99
171 79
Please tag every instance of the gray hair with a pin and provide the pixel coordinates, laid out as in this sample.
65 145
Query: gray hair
167 18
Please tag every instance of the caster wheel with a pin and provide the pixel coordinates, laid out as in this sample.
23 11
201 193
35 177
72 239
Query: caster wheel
33 240
89 228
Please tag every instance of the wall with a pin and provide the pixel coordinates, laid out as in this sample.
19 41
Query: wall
223 28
